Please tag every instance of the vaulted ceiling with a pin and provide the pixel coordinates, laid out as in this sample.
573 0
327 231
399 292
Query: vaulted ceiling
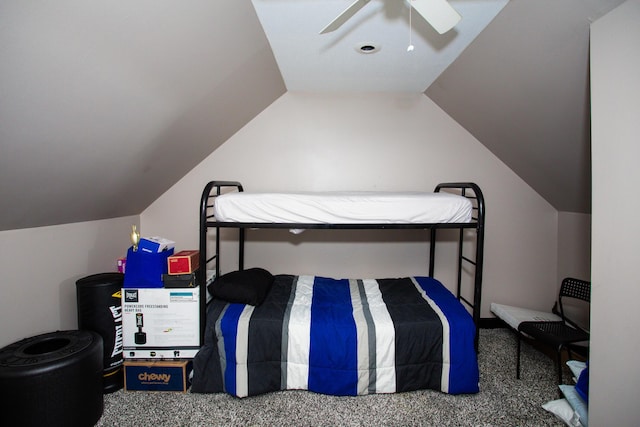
98 100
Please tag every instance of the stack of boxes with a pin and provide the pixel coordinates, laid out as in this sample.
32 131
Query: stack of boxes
160 316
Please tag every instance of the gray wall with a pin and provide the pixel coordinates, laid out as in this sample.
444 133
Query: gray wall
615 344
311 142
373 142
40 267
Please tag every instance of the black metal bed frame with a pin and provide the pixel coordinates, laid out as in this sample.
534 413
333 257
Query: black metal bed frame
466 189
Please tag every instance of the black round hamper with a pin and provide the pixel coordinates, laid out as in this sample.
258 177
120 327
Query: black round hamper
100 310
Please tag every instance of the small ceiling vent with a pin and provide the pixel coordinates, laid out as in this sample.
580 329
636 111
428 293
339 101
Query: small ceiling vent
367 48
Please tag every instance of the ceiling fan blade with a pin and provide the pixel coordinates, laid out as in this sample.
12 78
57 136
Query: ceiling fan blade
438 13
344 16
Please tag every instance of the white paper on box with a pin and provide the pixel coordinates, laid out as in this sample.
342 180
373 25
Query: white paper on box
160 319
155 244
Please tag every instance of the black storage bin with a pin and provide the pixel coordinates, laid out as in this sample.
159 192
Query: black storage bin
100 310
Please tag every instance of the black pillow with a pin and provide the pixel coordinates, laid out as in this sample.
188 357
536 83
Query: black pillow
249 286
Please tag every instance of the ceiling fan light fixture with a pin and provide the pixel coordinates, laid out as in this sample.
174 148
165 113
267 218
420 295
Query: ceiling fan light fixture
438 13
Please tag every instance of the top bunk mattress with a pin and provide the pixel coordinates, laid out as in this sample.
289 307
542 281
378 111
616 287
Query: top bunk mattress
343 208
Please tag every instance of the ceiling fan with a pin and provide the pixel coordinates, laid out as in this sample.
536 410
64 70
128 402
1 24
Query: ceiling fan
438 13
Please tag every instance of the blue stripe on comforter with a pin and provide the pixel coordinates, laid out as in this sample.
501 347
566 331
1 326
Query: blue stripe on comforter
333 359
463 372
229 324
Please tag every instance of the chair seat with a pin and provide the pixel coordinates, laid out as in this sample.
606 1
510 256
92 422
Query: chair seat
553 333
514 316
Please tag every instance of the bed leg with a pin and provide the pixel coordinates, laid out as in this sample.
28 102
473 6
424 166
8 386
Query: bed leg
518 357
241 249
432 251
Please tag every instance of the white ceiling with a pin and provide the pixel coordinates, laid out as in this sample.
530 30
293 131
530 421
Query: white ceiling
310 61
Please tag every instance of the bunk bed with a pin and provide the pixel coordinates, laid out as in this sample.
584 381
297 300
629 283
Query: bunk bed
338 336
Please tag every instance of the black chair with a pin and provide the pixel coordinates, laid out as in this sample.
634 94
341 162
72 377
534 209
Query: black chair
559 334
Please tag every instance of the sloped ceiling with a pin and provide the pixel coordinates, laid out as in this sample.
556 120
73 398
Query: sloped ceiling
105 105
522 89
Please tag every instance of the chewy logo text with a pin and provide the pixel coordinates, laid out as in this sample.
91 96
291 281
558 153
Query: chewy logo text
146 376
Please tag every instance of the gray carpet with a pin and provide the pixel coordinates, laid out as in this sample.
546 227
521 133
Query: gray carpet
502 401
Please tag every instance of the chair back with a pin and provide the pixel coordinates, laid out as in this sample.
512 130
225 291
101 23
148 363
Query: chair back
574 288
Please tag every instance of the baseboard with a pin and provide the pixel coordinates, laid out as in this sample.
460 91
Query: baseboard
491 323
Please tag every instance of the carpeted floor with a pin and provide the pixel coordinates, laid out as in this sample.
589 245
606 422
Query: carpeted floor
502 401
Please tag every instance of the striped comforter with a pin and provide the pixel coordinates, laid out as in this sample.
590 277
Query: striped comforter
340 337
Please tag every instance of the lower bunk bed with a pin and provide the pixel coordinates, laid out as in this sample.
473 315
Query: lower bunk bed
267 333
338 337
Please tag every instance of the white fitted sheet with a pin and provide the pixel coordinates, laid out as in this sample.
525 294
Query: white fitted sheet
343 208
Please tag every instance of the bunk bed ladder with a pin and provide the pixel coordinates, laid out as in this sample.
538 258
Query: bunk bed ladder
206 203
478 261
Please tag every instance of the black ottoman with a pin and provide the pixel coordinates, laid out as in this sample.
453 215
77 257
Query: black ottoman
53 379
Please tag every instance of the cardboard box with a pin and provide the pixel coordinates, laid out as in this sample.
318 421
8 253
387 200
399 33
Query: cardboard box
160 323
184 262
180 280
155 244
157 375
